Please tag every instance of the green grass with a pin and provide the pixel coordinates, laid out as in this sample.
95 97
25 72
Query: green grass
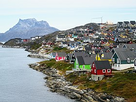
60 65
121 84
61 49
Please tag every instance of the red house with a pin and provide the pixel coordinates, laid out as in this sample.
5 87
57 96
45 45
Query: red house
60 56
100 69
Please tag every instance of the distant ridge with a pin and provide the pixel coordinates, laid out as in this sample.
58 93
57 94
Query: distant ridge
26 28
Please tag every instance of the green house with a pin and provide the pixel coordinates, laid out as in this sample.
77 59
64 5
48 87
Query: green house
83 63
123 58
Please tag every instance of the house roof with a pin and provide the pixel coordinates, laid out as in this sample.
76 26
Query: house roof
126 22
61 36
123 54
61 54
80 54
130 46
53 53
85 60
80 60
120 22
132 22
102 64
107 55
89 60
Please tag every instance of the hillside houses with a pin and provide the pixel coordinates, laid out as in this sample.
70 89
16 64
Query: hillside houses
96 50
126 25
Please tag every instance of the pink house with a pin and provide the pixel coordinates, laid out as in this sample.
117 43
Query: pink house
60 56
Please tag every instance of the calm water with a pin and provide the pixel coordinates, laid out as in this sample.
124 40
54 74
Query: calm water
19 83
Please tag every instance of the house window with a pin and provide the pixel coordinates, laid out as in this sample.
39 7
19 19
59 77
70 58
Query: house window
93 65
83 66
94 70
104 71
108 70
113 59
76 66
118 61
128 60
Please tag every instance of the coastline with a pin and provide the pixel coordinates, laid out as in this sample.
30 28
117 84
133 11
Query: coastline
58 84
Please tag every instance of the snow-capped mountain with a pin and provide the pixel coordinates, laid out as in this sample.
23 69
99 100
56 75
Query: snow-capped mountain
27 28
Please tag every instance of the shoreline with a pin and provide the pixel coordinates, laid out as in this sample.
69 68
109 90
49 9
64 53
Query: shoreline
58 84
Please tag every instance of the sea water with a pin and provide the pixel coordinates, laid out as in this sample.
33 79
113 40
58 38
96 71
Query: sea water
19 83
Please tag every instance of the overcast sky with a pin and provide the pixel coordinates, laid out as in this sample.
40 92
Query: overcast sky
65 14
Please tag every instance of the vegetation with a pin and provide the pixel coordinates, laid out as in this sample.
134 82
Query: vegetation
121 84
35 45
60 49
62 66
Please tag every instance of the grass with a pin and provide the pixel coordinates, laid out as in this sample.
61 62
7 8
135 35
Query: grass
121 84
60 49
62 66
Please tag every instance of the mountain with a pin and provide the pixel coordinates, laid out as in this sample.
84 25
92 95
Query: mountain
27 28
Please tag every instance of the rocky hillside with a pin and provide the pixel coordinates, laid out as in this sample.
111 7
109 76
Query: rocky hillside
27 28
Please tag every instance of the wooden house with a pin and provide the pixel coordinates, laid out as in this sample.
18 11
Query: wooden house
60 56
60 37
123 58
126 25
99 69
83 62
132 25
120 26
135 64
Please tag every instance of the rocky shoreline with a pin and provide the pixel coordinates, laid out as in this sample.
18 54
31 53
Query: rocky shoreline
58 84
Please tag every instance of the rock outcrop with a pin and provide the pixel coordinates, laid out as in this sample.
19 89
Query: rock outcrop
58 84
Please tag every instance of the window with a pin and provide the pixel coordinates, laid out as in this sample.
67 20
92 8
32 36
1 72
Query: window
83 66
94 70
135 62
128 60
93 65
118 61
113 59
104 71
108 70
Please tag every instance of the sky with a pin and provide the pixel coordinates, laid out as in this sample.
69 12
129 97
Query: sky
66 14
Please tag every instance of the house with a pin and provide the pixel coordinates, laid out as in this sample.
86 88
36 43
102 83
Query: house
75 35
49 44
72 56
60 37
100 69
53 55
120 26
83 62
88 49
63 44
104 56
60 56
132 25
72 45
123 58
26 40
130 47
135 64
86 40
70 39
126 25
121 40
